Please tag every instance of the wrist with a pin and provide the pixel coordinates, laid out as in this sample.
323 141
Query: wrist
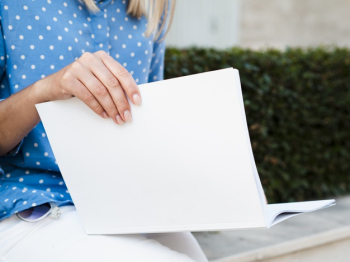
38 92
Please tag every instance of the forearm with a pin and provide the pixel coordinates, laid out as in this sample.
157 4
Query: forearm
18 116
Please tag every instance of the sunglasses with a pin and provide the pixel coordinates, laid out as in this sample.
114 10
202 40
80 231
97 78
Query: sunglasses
37 213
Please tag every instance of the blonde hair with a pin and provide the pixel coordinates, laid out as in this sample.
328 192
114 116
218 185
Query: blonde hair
152 9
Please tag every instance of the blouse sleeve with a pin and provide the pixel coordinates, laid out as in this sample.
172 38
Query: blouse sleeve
15 150
2 57
157 63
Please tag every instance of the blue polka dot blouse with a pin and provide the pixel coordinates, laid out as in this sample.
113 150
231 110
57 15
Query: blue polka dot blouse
40 37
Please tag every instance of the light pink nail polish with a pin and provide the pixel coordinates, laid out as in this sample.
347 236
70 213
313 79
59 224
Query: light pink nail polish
127 115
104 114
137 99
119 120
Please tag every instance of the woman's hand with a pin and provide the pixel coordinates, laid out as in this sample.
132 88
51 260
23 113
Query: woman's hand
99 81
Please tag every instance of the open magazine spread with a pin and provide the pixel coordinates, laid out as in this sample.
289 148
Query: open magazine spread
184 163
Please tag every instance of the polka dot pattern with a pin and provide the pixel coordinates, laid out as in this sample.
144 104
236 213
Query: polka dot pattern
40 38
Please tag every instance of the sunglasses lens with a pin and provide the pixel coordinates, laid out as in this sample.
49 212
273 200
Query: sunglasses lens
36 212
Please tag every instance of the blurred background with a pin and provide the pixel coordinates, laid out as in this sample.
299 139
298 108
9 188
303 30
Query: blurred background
260 24
294 63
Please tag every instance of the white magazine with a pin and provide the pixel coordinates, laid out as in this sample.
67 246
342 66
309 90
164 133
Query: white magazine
184 163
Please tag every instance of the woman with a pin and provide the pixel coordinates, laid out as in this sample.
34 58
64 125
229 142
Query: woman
54 50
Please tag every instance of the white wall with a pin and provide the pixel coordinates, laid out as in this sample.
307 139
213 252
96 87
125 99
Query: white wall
260 23
282 23
205 23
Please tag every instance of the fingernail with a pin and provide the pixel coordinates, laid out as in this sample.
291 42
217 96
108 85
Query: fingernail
104 114
127 115
137 99
119 120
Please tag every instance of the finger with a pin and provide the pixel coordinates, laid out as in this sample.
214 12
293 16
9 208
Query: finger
114 88
124 77
79 90
99 91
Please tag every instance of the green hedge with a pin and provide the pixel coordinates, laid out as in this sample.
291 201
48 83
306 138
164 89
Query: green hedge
298 111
